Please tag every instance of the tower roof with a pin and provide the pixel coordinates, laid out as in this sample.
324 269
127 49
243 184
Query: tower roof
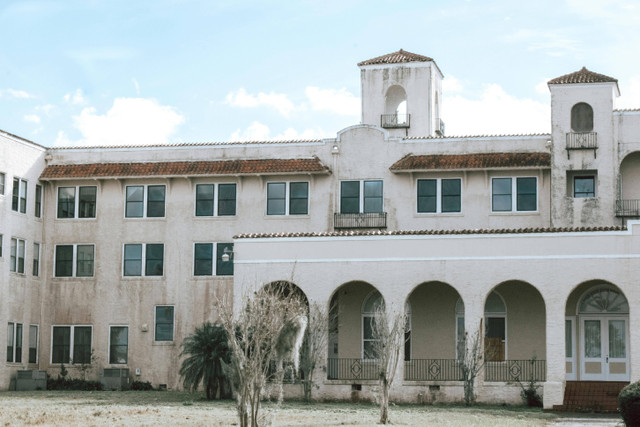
582 76
398 57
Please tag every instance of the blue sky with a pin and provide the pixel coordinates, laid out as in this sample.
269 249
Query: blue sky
92 72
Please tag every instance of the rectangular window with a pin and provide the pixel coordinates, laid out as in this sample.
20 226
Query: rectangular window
14 342
1 242
207 203
84 204
439 195
361 197
33 344
164 323
74 260
584 186
145 201
525 189
16 263
36 259
71 344
38 205
151 255
19 201
2 180
203 261
118 345
287 198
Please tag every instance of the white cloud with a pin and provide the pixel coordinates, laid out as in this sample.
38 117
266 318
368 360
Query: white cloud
261 132
629 94
496 112
278 101
47 109
32 118
130 121
75 98
542 88
12 93
451 85
338 101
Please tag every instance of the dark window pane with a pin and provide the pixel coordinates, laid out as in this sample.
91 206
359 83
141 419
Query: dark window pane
16 195
501 200
18 358
224 268
84 265
155 201
372 196
66 202
164 323
154 260
276 202
135 198
203 259
584 186
60 350
119 344
226 199
451 190
426 195
582 118
527 198
64 260
299 194
350 197
82 344
87 202
496 327
204 199
38 206
132 260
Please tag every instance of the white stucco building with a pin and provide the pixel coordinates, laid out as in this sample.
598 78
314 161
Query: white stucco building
112 255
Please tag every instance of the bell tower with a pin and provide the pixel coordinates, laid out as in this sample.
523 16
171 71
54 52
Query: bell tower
401 92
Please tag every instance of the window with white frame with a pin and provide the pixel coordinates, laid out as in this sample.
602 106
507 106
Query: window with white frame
145 201
118 345
370 345
74 260
216 199
36 259
2 181
14 342
439 195
38 202
584 186
16 263
209 259
77 202
71 344
495 337
525 191
19 200
361 197
33 343
143 259
287 198
164 323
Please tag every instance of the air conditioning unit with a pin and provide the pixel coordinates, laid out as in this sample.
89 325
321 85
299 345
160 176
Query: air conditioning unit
115 379
31 380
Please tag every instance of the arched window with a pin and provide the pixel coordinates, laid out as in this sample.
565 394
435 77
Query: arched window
396 106
603 299
459 329
582 117
371 304
495 337
407 332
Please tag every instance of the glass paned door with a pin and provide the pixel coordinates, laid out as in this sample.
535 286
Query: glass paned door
604 349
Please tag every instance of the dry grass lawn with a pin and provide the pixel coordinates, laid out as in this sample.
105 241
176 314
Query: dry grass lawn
100 408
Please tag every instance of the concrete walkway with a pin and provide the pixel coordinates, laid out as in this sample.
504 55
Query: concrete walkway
589 420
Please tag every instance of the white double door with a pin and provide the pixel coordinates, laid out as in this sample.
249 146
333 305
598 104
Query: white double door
604 348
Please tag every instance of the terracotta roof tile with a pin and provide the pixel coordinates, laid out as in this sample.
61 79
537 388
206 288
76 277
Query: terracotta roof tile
398 57
471 161
582 76
531 230
194 144
502 135
195 168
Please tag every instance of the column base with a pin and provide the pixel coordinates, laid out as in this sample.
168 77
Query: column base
553 394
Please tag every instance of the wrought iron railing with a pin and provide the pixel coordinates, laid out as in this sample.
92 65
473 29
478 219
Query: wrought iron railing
360 220
432 370
628 207
582 141
516 370
395 120
352 369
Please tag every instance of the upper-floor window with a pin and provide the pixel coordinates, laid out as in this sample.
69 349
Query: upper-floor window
582 117
19 201
206 264
74 260
164 323
361 196
71 344
524 188
38 205
16 263
215 199
584 186
82 206
2 178
287 198
14 342
36 259
151 255
145 201
1 241
439 195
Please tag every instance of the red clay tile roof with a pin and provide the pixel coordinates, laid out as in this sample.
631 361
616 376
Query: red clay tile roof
582 76
530 230
398 57
471 161
204 168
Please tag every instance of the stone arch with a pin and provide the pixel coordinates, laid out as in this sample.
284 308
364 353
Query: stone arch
396 99
582 117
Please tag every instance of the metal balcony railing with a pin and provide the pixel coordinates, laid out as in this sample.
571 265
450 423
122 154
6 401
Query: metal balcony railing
360 220
388 121
582 141
516 370
433 370
352 369
629 207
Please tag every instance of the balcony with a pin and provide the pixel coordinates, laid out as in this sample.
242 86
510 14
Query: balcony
516 370
352 369
433 370
360 220
393 121
582 141
628 208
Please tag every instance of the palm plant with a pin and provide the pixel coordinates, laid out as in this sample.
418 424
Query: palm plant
206 350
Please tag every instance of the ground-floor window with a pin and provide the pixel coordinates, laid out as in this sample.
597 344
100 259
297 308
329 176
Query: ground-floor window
369 307
495 337
118 345
33 344
14 342
71 344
